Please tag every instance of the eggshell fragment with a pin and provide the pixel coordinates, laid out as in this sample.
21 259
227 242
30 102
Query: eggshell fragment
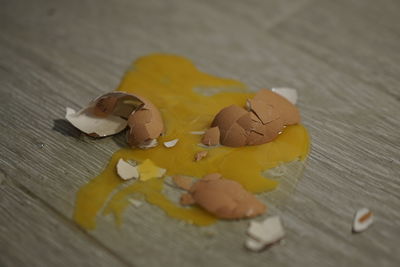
110 114
262 234
266 113
211 137
182 182
85 121
135 202
145 125
362 220
223 198
126 171
287 111
197 132
265 118
288 93
171 143
200 155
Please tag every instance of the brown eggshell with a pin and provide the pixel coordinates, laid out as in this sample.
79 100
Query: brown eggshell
182 182
287 111
146 125
211 137
264 133
235 136
104 106
227 116
187 199
266 113
224 198
116 103
200 155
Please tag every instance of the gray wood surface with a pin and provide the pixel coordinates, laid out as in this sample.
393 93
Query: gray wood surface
343 56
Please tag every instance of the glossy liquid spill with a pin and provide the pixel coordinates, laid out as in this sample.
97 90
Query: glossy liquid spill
172 83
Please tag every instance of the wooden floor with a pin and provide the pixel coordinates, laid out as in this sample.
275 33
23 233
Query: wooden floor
343 56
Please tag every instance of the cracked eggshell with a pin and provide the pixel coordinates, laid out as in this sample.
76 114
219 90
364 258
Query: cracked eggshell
145 125
94 126
110 114
224 198
264 112
287 111
227 116
116 103
231 133
265 118
211 137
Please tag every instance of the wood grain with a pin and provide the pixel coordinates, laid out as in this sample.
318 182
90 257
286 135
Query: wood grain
341 55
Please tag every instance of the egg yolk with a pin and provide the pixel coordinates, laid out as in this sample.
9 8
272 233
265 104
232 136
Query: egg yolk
188 100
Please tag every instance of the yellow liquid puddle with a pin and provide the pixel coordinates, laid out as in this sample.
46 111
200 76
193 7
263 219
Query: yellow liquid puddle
171 83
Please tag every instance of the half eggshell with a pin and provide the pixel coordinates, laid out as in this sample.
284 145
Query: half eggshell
264 119
112 112
226 199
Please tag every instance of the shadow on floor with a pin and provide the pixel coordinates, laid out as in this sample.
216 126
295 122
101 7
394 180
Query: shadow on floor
65 128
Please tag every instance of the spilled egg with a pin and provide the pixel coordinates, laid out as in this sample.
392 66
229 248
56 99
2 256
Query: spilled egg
188 102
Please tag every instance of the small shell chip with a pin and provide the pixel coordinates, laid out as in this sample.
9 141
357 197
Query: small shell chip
262 234
126 171
362 220
172 143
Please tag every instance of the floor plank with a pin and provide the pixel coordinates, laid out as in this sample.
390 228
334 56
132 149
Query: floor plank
64 53
30 235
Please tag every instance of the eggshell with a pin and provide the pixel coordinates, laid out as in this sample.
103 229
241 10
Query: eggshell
182 182
211 137
223 198
235 136
227 116
200 155
86 122
110 113
266 113
265 118
145 124
171 143
362 220
264 233
126 171
287 111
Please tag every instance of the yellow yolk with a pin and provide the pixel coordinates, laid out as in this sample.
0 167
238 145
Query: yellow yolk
173 84
148 170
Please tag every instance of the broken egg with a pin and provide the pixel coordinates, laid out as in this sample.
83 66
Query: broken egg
225 199
168 81
266 116
112 112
